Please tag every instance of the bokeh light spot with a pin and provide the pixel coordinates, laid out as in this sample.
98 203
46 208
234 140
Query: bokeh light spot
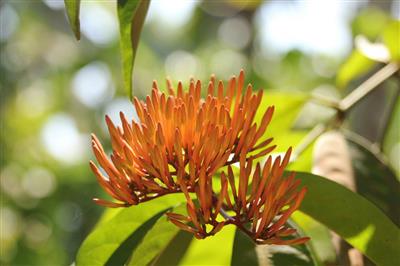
235 32
311 26
62 139
226 62
98 24
54 4
35 99
181 65
10 224
9 21
173 13
92 84
38 183
37 232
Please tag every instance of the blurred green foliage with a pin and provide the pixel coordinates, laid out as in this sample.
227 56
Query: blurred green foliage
55 92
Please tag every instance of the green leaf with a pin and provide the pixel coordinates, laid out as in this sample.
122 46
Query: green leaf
108 214
391 38
157 239
320 241
287 107
391 141
131 15
72 7
370 22
355 219
244 250
175 251
215 250
376 181
354 67
289 255
304 162
104 240
121 255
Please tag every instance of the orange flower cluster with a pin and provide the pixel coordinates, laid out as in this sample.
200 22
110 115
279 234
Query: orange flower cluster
178 145
265 205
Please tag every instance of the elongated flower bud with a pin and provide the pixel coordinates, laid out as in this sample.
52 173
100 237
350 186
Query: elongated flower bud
180 142
262 202
179 133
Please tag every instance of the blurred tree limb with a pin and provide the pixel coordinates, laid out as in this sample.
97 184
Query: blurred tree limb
343 106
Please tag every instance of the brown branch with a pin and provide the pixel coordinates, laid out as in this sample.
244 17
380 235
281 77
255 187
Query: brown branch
344 106
367 86
325 101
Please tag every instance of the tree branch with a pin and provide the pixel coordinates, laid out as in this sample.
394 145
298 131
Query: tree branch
344 105
367 86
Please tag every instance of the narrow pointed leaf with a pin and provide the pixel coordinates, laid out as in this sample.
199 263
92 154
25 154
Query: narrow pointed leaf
131 15
72 7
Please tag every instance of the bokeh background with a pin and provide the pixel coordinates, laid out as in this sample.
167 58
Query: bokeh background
55 91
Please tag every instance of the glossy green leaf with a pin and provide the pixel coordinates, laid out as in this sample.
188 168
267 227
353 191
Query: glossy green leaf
72 7
391 38
215 250
354 67
156 240
353 217
131 15
105 240
108 214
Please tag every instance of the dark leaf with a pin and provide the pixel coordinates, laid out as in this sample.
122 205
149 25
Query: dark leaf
244 252
376 181
354 218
